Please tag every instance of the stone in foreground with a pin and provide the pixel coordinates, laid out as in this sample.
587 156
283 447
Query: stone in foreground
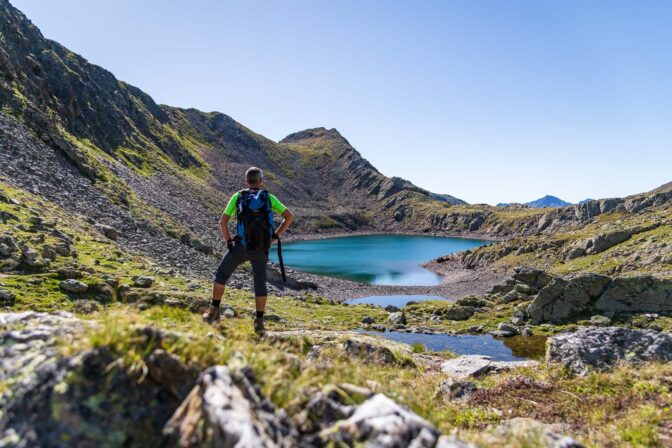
470 366
383 423
225 409
601 348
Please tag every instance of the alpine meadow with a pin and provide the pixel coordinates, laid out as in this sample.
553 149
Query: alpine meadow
355 309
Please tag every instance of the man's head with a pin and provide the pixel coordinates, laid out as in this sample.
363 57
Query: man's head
254 177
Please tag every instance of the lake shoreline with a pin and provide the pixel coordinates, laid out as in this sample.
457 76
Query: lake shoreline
455 285
340 234
456 282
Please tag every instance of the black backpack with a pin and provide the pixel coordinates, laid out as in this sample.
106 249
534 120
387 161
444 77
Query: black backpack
255 220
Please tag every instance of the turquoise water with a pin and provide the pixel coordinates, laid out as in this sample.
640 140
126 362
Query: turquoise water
377 259
398 301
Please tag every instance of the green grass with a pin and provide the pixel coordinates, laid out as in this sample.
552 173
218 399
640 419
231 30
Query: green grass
623 408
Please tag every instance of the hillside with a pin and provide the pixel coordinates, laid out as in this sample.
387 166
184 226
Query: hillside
153 156
629 236
169 171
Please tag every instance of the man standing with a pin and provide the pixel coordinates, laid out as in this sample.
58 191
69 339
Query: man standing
254 208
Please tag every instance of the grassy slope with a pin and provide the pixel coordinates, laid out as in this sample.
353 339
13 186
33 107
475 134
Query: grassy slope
648 251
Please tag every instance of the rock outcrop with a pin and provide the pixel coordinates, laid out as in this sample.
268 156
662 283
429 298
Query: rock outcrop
637 294
88 398
557 299
601 348
599 243
561 299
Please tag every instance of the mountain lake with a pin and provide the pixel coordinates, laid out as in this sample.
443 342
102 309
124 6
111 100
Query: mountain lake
377 259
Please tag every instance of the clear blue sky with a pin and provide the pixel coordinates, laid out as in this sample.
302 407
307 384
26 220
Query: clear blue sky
486 100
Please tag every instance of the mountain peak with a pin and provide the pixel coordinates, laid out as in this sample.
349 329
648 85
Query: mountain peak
548 201
314 133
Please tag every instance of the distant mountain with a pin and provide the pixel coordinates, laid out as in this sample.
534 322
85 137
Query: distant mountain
545 202
548 202
585 201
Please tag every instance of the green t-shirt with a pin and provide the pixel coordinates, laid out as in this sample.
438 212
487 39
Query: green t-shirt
276 206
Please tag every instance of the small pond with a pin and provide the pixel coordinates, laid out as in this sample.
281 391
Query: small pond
515 348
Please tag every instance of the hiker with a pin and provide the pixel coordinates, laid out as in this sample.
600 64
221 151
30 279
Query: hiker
254 208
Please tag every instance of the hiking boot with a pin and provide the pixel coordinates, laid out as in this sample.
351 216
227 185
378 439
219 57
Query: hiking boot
259 326
212 315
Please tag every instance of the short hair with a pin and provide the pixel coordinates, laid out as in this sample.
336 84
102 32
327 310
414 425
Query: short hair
254 175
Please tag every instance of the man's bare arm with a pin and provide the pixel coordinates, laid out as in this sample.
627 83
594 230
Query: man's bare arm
287 220
224 226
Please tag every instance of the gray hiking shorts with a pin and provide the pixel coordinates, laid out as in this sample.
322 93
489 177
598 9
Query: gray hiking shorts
237 256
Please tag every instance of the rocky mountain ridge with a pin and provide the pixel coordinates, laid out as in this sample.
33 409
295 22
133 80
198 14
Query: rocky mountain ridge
128 145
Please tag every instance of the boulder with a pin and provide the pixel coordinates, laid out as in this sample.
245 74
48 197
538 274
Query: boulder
600 321
466 366
326 407
562 299
74 286
109 232
397 318
575 252
637 294
368 320
505 326
382 423
85 306
63 249
502 333
143 281
457 312
473 301
518 318
29 257
5 250
470 366
600 348
369 353
600 243
532 277
392 309
7 297
67 272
